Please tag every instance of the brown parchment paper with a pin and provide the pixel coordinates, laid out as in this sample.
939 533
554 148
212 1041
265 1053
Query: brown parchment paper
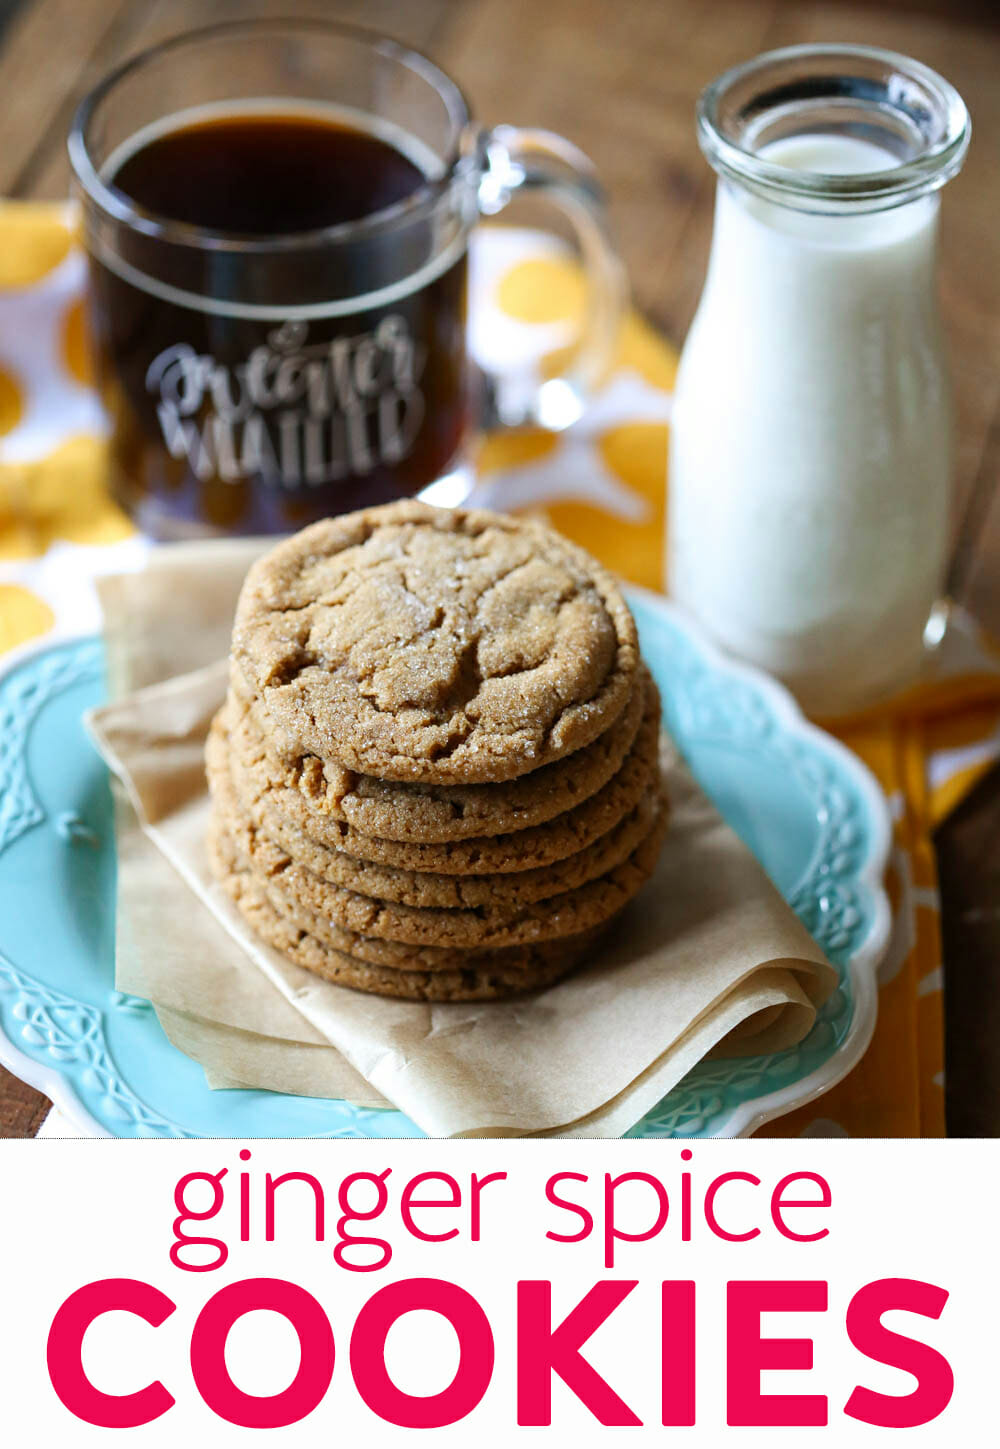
707 954
158 624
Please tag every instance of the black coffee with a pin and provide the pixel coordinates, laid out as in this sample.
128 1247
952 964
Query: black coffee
254 387
259 175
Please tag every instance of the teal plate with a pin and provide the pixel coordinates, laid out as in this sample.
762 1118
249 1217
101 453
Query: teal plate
808 809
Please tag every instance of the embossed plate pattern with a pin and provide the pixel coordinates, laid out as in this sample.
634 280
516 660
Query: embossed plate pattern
808 809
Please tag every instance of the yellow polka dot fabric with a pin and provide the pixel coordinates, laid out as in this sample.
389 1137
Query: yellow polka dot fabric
23 616
603 482
58 527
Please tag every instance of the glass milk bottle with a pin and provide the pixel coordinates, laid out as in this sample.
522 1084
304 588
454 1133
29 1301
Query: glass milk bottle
811 439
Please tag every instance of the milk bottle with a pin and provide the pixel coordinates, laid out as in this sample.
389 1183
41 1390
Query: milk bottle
811 439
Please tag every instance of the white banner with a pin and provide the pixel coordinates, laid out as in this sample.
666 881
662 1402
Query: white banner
489 1292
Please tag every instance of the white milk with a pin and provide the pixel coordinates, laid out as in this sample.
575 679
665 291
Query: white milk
810 450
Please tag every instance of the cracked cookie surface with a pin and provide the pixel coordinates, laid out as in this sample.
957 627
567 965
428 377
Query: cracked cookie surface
421 644
279 809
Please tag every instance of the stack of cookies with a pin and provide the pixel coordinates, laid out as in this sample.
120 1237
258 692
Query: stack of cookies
436 772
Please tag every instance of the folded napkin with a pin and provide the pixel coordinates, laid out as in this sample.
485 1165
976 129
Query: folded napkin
707 957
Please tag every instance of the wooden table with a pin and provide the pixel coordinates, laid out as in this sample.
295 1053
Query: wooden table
620 78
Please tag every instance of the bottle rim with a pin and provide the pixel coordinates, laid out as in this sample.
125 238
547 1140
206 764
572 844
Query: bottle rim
858 89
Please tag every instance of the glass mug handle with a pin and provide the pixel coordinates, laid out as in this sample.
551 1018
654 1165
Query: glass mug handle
516 161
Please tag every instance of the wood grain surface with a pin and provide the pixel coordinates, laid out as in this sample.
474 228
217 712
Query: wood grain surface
620 78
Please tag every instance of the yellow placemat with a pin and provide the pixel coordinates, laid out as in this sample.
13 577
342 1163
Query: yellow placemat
602 482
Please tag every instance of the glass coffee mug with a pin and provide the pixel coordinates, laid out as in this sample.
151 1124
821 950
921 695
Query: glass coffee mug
277 215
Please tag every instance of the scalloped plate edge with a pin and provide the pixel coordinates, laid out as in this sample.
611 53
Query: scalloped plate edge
864 962
48 1080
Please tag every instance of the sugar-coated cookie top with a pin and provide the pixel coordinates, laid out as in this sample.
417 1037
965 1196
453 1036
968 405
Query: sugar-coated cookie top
448 646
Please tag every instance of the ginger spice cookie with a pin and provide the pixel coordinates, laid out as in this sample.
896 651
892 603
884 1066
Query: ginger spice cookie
281 813
501 923
312 792
447 646
408 973
437 888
